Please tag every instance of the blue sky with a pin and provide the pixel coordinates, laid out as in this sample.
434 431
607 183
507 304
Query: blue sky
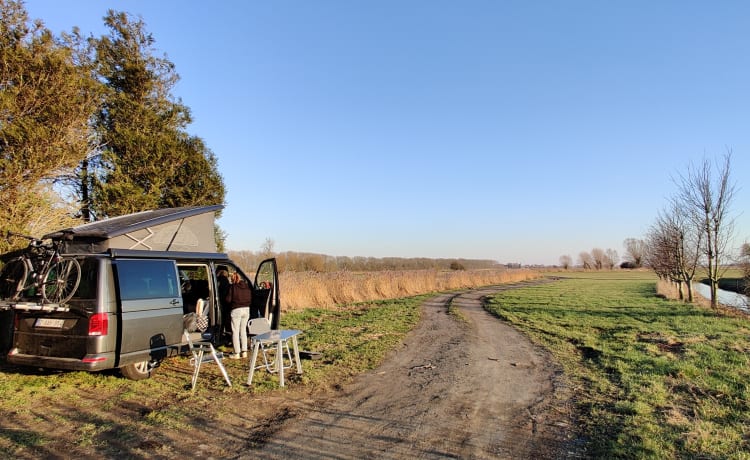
509 130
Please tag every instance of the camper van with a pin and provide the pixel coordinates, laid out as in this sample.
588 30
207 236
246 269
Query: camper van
141 276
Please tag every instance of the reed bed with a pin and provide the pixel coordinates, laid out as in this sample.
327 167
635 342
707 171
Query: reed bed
301 290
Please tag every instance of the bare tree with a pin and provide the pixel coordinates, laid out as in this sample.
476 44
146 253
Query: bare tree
566 261
675 247
267 247
707 200
599 257
745 262
611 258
586 261
634 251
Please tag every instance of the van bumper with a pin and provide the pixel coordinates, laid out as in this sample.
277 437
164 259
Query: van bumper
88 363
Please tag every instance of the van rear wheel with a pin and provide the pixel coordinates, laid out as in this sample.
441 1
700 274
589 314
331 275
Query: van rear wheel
138 371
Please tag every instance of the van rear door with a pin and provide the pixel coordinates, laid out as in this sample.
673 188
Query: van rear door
150 309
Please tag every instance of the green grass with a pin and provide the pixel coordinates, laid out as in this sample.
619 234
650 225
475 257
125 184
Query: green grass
653 378
353 339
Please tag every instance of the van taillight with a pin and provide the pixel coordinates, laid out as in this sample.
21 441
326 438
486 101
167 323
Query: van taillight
98 324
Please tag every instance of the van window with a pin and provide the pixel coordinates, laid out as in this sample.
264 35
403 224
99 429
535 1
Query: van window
89 279
194 284
147 279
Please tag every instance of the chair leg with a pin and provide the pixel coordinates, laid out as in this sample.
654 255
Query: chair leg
221 366
198 356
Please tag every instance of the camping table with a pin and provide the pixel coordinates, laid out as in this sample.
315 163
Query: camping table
278 338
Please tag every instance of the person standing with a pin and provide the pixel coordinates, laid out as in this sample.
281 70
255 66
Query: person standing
238 299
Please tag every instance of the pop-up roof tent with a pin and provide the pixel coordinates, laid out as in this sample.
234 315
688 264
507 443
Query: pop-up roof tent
188 229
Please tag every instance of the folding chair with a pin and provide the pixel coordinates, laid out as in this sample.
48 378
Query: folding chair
199 350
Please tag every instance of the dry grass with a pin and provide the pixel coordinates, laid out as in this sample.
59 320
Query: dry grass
300 290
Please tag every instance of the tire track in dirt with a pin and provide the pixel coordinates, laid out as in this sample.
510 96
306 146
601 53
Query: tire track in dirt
455 389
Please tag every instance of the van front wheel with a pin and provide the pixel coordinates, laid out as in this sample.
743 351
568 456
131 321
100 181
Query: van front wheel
138 371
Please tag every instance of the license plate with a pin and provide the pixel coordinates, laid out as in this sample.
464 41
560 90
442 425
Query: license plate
49 322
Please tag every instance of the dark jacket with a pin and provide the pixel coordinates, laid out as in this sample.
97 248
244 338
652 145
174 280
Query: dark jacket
239 295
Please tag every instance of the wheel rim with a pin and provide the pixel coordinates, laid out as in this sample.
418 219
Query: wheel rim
143 367
61 280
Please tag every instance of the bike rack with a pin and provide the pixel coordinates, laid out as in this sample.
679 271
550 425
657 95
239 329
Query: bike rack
14 305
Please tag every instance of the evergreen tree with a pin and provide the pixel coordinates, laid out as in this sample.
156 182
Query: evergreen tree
46 100
147 161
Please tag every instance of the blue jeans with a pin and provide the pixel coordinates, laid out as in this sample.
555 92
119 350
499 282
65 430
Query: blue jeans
240 317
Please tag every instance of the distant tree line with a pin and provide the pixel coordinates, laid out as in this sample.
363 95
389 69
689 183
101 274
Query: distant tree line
89 127
596 259
303 261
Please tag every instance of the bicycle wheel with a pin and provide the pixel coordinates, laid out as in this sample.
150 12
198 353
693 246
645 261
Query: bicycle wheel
13 278
61 280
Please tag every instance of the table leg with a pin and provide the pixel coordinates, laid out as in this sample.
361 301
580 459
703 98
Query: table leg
253 358
296 355
280 361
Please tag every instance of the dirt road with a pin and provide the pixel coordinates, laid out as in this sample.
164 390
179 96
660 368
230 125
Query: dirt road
471 388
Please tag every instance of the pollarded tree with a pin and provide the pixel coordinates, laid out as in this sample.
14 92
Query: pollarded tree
611 258
147 159
707 198
675 247
46 100
586 260
635 250
566 261
745 261
599 257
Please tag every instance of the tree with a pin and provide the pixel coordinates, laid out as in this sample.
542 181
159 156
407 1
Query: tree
566 261
266 248
634 251
707 200
598 257
745 262
586 260
46 100
611 258
147 160
675 246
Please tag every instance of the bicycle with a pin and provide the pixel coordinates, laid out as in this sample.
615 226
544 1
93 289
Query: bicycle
41 271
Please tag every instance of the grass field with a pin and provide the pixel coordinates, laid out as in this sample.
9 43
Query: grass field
653 378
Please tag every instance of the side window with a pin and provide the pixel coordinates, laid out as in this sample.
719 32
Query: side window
89 279
194 285
147 279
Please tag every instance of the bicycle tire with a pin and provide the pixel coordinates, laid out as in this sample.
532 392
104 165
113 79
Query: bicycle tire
61 280
13 278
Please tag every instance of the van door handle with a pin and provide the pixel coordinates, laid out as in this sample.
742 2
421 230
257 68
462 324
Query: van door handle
174 302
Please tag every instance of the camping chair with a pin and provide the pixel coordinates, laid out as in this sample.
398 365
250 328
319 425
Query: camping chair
204 352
